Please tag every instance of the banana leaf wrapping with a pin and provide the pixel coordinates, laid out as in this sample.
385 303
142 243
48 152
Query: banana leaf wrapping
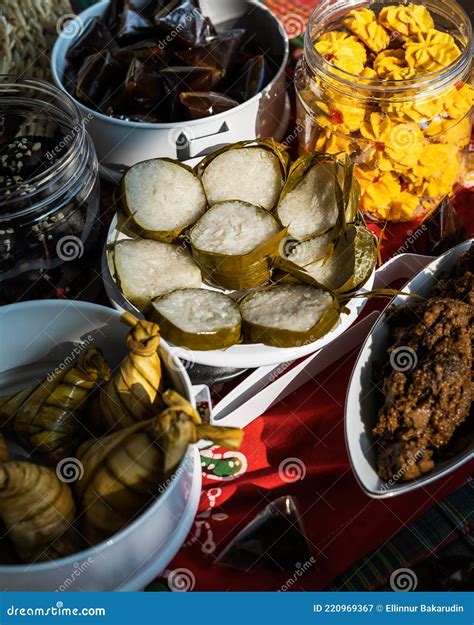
46 416
277 149
131 393
281 337
219 338
125 471
122 203
355 266
345 202
238 272
38 512
4 454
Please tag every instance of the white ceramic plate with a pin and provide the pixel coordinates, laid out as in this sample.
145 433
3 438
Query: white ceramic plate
46 333
242 356
361 401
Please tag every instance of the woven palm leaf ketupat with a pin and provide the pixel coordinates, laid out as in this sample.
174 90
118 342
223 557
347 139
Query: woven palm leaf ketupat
131 393
46 416
37 510
123 472
28 29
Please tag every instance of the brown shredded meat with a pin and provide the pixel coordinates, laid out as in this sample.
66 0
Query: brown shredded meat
426 399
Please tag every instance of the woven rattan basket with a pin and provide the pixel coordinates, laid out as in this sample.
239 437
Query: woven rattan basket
28 29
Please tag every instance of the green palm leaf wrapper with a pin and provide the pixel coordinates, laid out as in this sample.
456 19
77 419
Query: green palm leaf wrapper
37 510
341 264
132 392
235 244
163 197
45 417
199 319
288 315
123 472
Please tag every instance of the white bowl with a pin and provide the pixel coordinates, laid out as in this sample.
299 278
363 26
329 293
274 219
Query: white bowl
242 356
45 333
361 401
120 144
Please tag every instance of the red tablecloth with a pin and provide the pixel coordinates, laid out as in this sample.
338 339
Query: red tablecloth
341 522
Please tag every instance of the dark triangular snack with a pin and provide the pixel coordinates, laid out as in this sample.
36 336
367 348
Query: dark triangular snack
96 37
274 539
185 24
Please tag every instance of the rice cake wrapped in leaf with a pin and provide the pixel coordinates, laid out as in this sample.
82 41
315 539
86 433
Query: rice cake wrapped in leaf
163 197
288 315
132 392
145 269
46 417
319 194
250 171
125 471
38 512
198 318
235 244
343 264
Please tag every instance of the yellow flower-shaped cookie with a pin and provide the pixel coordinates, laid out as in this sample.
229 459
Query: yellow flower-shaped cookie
458 101
363 23
332 143
440 184
392 65
407 20
431 51
396 146
404 207
342 50
340 117
379 189
433 159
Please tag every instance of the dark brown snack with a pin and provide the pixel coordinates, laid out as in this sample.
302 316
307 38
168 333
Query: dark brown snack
427 395
199 104
136 60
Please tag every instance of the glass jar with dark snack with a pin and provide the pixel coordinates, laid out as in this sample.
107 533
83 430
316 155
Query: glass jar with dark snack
49 194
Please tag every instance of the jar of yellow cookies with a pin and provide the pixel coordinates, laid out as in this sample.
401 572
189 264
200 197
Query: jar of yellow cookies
390 84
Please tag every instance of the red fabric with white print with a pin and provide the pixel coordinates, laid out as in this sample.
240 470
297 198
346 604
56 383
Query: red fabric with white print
298 449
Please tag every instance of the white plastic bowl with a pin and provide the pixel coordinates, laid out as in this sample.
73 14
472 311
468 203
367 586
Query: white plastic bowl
121 144
45 333
361 401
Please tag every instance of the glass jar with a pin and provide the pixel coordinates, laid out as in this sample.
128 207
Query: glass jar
49 194
399 102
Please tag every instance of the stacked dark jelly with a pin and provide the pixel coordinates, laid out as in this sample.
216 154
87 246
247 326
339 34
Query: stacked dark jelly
162 61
